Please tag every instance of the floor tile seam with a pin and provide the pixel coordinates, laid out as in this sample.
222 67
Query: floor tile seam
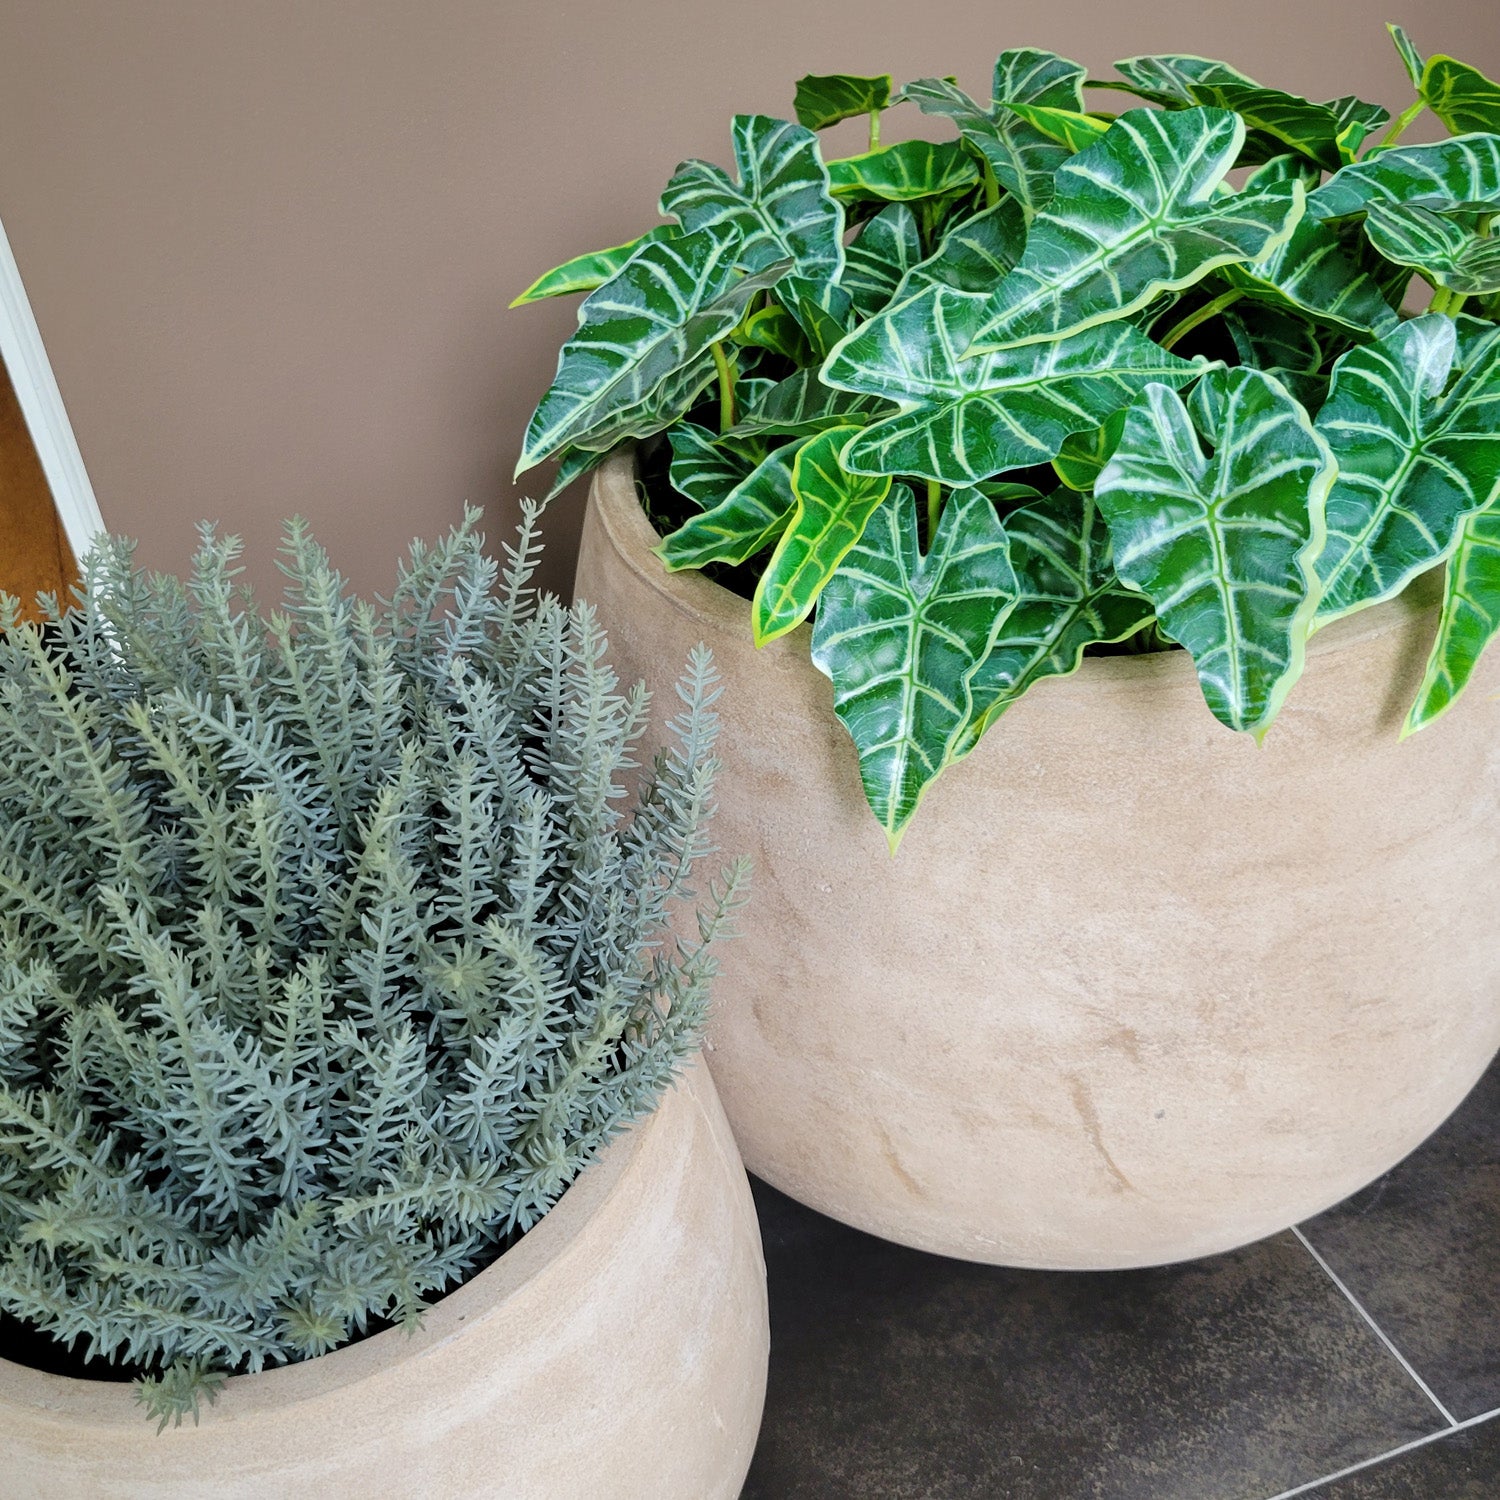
1425 1441
1380 1333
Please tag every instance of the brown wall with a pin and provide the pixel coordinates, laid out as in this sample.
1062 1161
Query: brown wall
270 242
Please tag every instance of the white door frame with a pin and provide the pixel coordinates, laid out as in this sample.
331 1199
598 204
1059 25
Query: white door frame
42 405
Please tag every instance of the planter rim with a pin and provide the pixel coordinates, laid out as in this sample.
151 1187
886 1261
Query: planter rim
68 1399
692 593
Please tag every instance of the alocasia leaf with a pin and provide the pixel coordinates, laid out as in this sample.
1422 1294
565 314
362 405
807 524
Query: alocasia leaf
641 336
779 207
898 634
823 99
1415 457
1411 59
802 405
1133 216
823 311
1068 598
1443 250
1223 543
1023 158
749 518
1282 344
1083 455
832 508
585 272
903 172
1469 620
1318 131
1460 96
976 255
961 420
774 329
1168 78
706 467
1463 170
573 464
1065 126
1311 273
888 247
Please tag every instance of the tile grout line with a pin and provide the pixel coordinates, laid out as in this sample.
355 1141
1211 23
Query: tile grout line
1380 1333
1380 1458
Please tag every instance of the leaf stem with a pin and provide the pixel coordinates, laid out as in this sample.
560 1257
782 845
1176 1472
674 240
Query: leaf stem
1402 121
726 387
1212 309
875 129
934 509
991 186
1442 300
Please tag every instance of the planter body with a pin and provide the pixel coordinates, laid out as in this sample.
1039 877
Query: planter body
1134 990
618 1350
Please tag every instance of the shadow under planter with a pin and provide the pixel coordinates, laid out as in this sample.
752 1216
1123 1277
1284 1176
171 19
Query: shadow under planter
617 1352
1135 990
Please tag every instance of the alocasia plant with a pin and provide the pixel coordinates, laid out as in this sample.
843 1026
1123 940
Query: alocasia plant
1208 371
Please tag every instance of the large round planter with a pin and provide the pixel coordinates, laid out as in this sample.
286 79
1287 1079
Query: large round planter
618 1350
1134 990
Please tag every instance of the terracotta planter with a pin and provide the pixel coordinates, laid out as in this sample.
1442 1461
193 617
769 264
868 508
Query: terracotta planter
1134 990
619 1350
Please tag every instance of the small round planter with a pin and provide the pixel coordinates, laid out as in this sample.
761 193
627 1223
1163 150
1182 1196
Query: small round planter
1135 990
618 1350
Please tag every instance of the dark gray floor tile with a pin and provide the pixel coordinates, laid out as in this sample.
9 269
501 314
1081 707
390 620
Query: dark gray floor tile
1421 1251
897 1375
1465 1466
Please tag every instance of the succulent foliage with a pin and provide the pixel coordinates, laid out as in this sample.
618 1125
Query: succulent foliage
1177 340
333 944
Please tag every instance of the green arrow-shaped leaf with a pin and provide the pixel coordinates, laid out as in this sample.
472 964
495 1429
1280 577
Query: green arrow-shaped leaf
832 508
1460 96
706 467
802 405
1318 131
1065 126
1068 598
1134 216
1413 462
1023 158
1443 250
887 248
975 255
585 272
1282 344
1463 170
1469 620
1312 273
961 420
1168 77
899 633
779 206
641 343
823 99
903 172
748 519
1223 545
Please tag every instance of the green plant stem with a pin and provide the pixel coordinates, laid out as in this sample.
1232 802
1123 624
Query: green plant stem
1212 309
934 509
1442 301
726 387
1402 121
874 130
991 186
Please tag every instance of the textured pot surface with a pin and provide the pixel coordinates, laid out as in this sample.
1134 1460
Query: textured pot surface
1134 990
618 1350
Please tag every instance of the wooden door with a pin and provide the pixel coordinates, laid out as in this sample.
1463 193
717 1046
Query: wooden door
34 552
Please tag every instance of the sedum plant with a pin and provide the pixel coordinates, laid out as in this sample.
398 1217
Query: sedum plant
331 945
1080 379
